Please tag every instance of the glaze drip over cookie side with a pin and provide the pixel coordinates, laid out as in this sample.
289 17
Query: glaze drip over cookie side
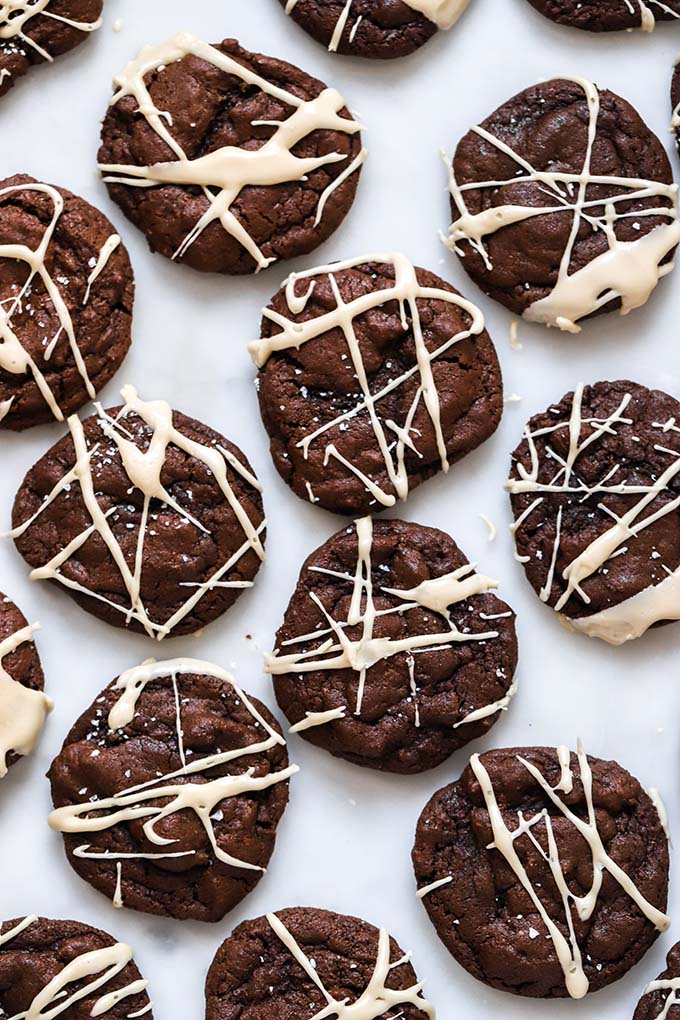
23 711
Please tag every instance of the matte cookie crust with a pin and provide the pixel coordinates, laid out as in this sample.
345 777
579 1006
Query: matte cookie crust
484 916
254 975
17 56
102 326
652 1005
604 15
547 125
200 886
23 664
383 29
394 731
301 390
211 109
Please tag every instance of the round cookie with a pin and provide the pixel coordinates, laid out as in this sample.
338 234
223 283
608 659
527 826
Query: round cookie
67 968
307 963
564 205
595 487
608 15
35 31
169 788
66 297
393 652
374 376
545 873
385 29
23 706
661 998
149 519
237 159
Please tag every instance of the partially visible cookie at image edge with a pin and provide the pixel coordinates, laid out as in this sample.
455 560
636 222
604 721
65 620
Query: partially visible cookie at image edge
609 15
23 706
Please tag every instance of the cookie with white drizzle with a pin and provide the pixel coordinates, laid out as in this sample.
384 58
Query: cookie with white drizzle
609 15
67 969
169 788
545 873
595 490
308 964
661 998
37 31
394 652
148 518
66 298
374 28
564 204
23 706
374 376
228 160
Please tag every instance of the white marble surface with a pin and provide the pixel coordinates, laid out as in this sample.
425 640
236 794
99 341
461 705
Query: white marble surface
345 840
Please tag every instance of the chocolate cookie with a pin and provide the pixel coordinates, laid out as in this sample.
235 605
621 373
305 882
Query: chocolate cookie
374 28
544 873
393 652
149 519
66 295
374 376
661 999
595 489
23 706
65 968
169 789
228 160
608 15
33 31
302 963
564 204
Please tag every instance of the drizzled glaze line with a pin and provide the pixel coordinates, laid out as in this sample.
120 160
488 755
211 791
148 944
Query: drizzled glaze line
141 801
99 965
632 617
334 650
376 1000
14 357
646 9
567 949
15 14
442 13
670 985
392 438
22 711
224 173
627 270
144 469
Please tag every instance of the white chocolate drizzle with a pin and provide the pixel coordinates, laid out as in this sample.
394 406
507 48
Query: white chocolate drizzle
224 173
670 985
628 270
161 797
632 617
144 468
22 710
567 949
15 14
392 438
93 970
376 1000
442 13
647 12
334 650
14 357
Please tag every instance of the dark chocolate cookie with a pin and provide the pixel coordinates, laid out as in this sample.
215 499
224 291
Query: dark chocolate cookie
66 295
237 159
564 205
374 376
66 968
23 706
595 490
544 873
169 789
393 651
303 963
661 998
374 28
149 519
608 15
35 31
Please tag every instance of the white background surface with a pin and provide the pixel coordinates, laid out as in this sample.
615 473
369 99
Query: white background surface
345 840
